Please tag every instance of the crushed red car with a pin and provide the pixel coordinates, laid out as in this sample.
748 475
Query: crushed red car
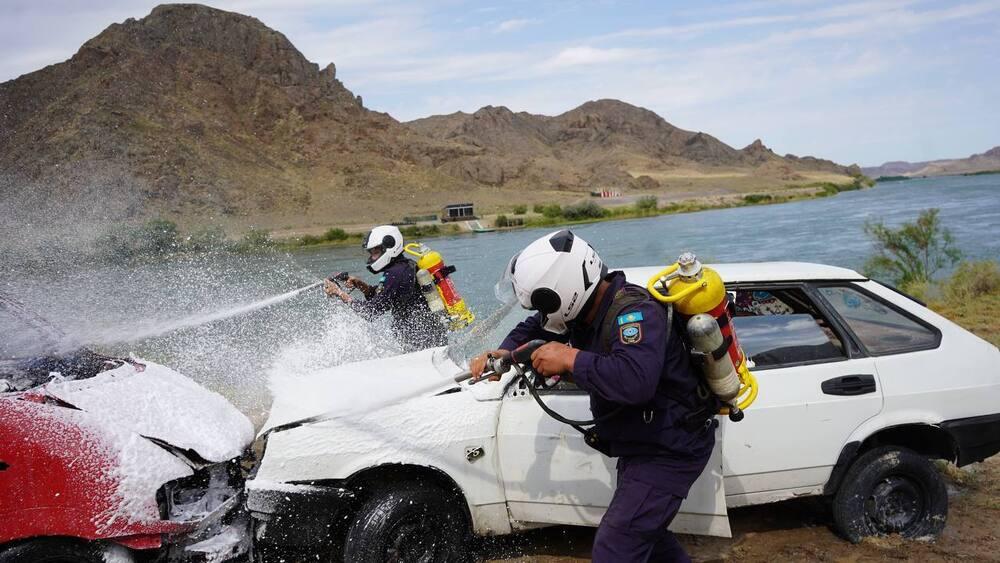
112 459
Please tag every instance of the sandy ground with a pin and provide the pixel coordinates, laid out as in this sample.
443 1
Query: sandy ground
801 530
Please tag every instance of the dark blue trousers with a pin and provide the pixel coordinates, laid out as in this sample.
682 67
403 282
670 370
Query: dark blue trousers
634 529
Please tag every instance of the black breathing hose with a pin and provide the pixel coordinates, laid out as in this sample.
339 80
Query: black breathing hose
522 356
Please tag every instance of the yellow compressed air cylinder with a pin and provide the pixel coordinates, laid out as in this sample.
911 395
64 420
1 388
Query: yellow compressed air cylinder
433 262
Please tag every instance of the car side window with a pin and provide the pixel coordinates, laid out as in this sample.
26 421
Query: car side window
782 326
881 329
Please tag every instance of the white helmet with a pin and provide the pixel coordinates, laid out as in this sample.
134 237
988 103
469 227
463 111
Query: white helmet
389 240
556 275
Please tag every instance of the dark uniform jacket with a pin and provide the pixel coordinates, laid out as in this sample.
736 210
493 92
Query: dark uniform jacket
397 293
644 371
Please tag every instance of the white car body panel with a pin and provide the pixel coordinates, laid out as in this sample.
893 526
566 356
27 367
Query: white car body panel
552 476
792 435
536 471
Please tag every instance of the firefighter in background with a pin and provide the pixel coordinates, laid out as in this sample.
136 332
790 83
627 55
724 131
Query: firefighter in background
611 338
397 292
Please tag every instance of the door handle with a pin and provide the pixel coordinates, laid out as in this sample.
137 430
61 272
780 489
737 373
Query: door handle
849 385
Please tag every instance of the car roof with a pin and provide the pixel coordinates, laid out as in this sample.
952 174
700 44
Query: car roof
759 272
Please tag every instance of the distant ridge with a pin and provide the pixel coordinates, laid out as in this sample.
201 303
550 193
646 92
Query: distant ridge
595 144
984 162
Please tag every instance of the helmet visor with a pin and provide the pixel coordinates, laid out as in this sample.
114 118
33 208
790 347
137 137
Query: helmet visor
504 288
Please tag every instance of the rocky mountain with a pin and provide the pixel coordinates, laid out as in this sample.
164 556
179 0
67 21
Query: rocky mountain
984 162
212 116
604 142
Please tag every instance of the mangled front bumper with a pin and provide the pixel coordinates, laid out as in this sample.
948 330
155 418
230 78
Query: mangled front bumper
289 514
211 502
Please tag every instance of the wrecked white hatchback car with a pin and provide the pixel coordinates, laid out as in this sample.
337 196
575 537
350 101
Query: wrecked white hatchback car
860 387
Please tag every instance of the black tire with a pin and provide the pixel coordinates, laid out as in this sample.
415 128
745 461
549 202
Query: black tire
408 523
52 550
891 490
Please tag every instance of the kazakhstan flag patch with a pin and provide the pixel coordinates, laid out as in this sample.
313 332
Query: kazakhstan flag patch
629 318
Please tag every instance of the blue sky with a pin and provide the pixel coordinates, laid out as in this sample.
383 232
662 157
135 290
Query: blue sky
858 82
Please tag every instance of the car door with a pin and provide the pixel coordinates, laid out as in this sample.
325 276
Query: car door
551 476
816 387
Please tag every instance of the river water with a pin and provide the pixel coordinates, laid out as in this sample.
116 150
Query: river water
309 331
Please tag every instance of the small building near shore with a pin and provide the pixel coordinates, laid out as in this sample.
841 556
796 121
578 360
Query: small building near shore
458 212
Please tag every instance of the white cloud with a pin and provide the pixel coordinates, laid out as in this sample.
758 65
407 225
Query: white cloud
513 25
585 55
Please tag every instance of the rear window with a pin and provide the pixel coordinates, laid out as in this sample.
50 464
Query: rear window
782 326
882 329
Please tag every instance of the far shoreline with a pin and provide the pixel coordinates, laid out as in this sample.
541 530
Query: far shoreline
620 213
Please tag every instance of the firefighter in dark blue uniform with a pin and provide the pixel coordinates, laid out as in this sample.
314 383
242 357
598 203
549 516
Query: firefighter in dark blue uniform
611 338
397 293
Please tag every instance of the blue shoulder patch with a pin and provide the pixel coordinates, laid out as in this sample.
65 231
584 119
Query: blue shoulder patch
633 317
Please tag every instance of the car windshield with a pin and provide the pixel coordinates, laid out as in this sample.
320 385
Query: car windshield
486 334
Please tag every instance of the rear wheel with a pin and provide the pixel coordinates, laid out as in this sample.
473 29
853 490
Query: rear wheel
408 523
891 490
52 550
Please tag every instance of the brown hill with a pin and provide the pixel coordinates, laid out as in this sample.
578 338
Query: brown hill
595 145
214 113
214 116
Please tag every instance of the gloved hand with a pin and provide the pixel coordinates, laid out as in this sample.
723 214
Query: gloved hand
477 365
554 358
354 282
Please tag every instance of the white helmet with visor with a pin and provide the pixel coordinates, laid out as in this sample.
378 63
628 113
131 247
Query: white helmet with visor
555 275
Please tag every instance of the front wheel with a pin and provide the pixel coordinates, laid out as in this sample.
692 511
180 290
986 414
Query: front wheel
408 523
891 490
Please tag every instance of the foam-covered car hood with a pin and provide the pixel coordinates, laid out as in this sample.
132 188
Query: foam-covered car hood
157 402
358 387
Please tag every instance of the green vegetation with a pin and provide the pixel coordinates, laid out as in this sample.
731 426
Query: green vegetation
913 253
891 178
520 209
254 240
982 173
584 210
502 221
646 204
754 199
161 238
334 235
971 298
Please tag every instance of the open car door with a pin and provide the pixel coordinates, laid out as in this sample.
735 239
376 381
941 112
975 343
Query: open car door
551 476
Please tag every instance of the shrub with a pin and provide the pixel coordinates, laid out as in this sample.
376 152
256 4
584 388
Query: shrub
206 239
538 208
520 209
306 240
973 279
159 236
552 211
334 235
912 253
502 221
583 210
757 198
417 231
253 240
646 203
